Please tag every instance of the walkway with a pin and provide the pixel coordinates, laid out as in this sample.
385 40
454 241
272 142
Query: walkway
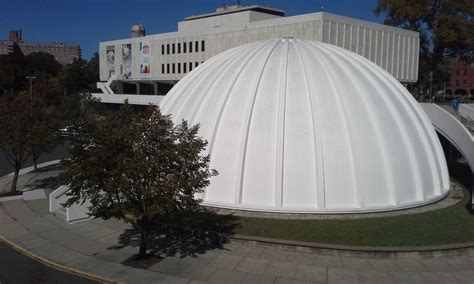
95 247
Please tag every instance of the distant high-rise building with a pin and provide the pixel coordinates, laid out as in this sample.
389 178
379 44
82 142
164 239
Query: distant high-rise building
64 53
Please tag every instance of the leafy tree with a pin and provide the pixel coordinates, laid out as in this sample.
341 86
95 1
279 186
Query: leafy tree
43 129
41 65
139 168
92 69
446 31
15 131
74 77
12 72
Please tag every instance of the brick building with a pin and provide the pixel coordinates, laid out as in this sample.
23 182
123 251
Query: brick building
64 53
461 77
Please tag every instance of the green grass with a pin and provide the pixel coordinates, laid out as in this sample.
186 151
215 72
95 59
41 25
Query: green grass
449 225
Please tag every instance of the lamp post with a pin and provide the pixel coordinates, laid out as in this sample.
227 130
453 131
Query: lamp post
31 85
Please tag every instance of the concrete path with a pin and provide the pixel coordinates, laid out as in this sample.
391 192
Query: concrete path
95 247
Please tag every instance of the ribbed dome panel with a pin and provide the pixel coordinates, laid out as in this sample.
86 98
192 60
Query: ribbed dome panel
303 126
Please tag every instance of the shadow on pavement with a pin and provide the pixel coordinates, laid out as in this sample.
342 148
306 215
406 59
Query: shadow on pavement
182 236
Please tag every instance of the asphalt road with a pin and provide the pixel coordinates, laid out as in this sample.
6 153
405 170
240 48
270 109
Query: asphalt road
58 153
17 268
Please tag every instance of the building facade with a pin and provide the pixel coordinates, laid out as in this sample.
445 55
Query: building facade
461 77
62 52
149 65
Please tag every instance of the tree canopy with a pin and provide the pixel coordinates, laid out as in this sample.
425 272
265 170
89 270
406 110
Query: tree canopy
138 167
446 31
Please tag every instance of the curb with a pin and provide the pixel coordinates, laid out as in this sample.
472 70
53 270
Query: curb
32 168
55 265
343 250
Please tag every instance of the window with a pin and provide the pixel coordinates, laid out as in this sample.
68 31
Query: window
173 48
184 67
168 49
196 64
464 82
162 49
190 66
457 72
163 68
179 47
203 46
196 46
179 68
190 47
184 47
457 82
465 72
174 70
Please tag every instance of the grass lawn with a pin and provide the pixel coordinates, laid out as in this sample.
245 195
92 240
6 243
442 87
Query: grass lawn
450 225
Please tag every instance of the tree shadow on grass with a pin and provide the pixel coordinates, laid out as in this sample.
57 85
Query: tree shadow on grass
186 235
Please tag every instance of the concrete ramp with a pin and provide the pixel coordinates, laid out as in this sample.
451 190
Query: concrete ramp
452 129
452 126
467 110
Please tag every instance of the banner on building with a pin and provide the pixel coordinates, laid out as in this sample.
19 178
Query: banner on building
145 66
126 70
110 60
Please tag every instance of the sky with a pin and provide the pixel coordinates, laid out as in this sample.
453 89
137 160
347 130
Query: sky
87 22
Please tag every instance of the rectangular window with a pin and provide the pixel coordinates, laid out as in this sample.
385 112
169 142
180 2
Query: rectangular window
167 68
196 64
174 70
184 67
162 49
190 66
179 47
190 47
196 46
173 48
179 68
168 48
203 46
465 72
464 82
162 68
184 47
457 82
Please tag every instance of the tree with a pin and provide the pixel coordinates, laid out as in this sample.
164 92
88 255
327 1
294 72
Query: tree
446 31
12 71
43 129
15 131
41 65
139 168
92 69
74 77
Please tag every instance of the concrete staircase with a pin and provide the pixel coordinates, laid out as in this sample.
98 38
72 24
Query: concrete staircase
77 212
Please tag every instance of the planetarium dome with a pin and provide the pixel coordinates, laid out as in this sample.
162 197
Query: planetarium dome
301 126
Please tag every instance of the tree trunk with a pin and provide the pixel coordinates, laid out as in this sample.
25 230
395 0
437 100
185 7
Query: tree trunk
15 179
143 244
35 162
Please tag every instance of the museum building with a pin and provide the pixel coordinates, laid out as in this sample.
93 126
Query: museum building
149 65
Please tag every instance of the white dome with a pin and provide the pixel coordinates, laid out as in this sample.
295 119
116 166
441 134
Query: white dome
303 126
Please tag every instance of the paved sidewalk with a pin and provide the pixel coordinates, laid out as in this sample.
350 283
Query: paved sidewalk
95 247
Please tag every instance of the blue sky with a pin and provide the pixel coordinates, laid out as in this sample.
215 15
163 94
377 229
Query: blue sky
87 22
